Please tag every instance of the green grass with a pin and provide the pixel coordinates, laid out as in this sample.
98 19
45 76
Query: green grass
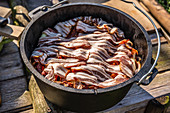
165 4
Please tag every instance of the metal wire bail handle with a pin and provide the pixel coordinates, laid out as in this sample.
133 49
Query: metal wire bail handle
158 37
45 7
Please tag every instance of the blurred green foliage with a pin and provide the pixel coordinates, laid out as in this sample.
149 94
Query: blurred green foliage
165 4
4 41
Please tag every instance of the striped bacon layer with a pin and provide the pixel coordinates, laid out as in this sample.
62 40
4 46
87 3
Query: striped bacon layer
85 53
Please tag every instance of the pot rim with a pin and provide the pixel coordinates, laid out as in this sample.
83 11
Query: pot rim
135 78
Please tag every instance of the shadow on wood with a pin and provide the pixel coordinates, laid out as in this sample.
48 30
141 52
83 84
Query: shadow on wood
158 105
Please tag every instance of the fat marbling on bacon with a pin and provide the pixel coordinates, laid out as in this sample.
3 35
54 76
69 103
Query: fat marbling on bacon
85 53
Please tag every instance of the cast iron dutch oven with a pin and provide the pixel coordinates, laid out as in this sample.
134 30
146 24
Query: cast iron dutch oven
86 100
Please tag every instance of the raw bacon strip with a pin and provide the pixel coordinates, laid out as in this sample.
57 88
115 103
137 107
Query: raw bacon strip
95 21
85 28
68 25
91 21
118 32
104 27
56 69
112 82
64 27
113 69
106 45
59 47
80 54
107 83
87 20
83 77
69 65
71 22
81 34
119 43
56 60
113 31
99 51
76 44
39 56
97 37
124 49
103 43
51 33
138 67
97 71
50 74
126 66
121 78
117 57
101 22
96 59
49 51
134 51
77 19
46 41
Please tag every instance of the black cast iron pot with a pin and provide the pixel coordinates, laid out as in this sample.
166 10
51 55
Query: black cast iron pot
86 100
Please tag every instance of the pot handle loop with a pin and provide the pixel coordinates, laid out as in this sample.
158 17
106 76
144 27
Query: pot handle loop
150 77
153 71
44 8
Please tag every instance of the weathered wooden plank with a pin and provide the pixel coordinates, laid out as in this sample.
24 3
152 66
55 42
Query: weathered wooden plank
129 9
11 73
4 3
138 97
5 12
13 81
164 58
160 85
39 103
13 88
10 62
24 102
28 111
11 31
137 110
22 15
146 9
158 105
158 12
155 41
9 48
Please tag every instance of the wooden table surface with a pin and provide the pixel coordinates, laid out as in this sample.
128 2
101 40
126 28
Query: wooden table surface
20 94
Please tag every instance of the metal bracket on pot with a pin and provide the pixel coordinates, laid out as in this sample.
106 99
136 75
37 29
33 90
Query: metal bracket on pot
44 8
149 77
153 71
